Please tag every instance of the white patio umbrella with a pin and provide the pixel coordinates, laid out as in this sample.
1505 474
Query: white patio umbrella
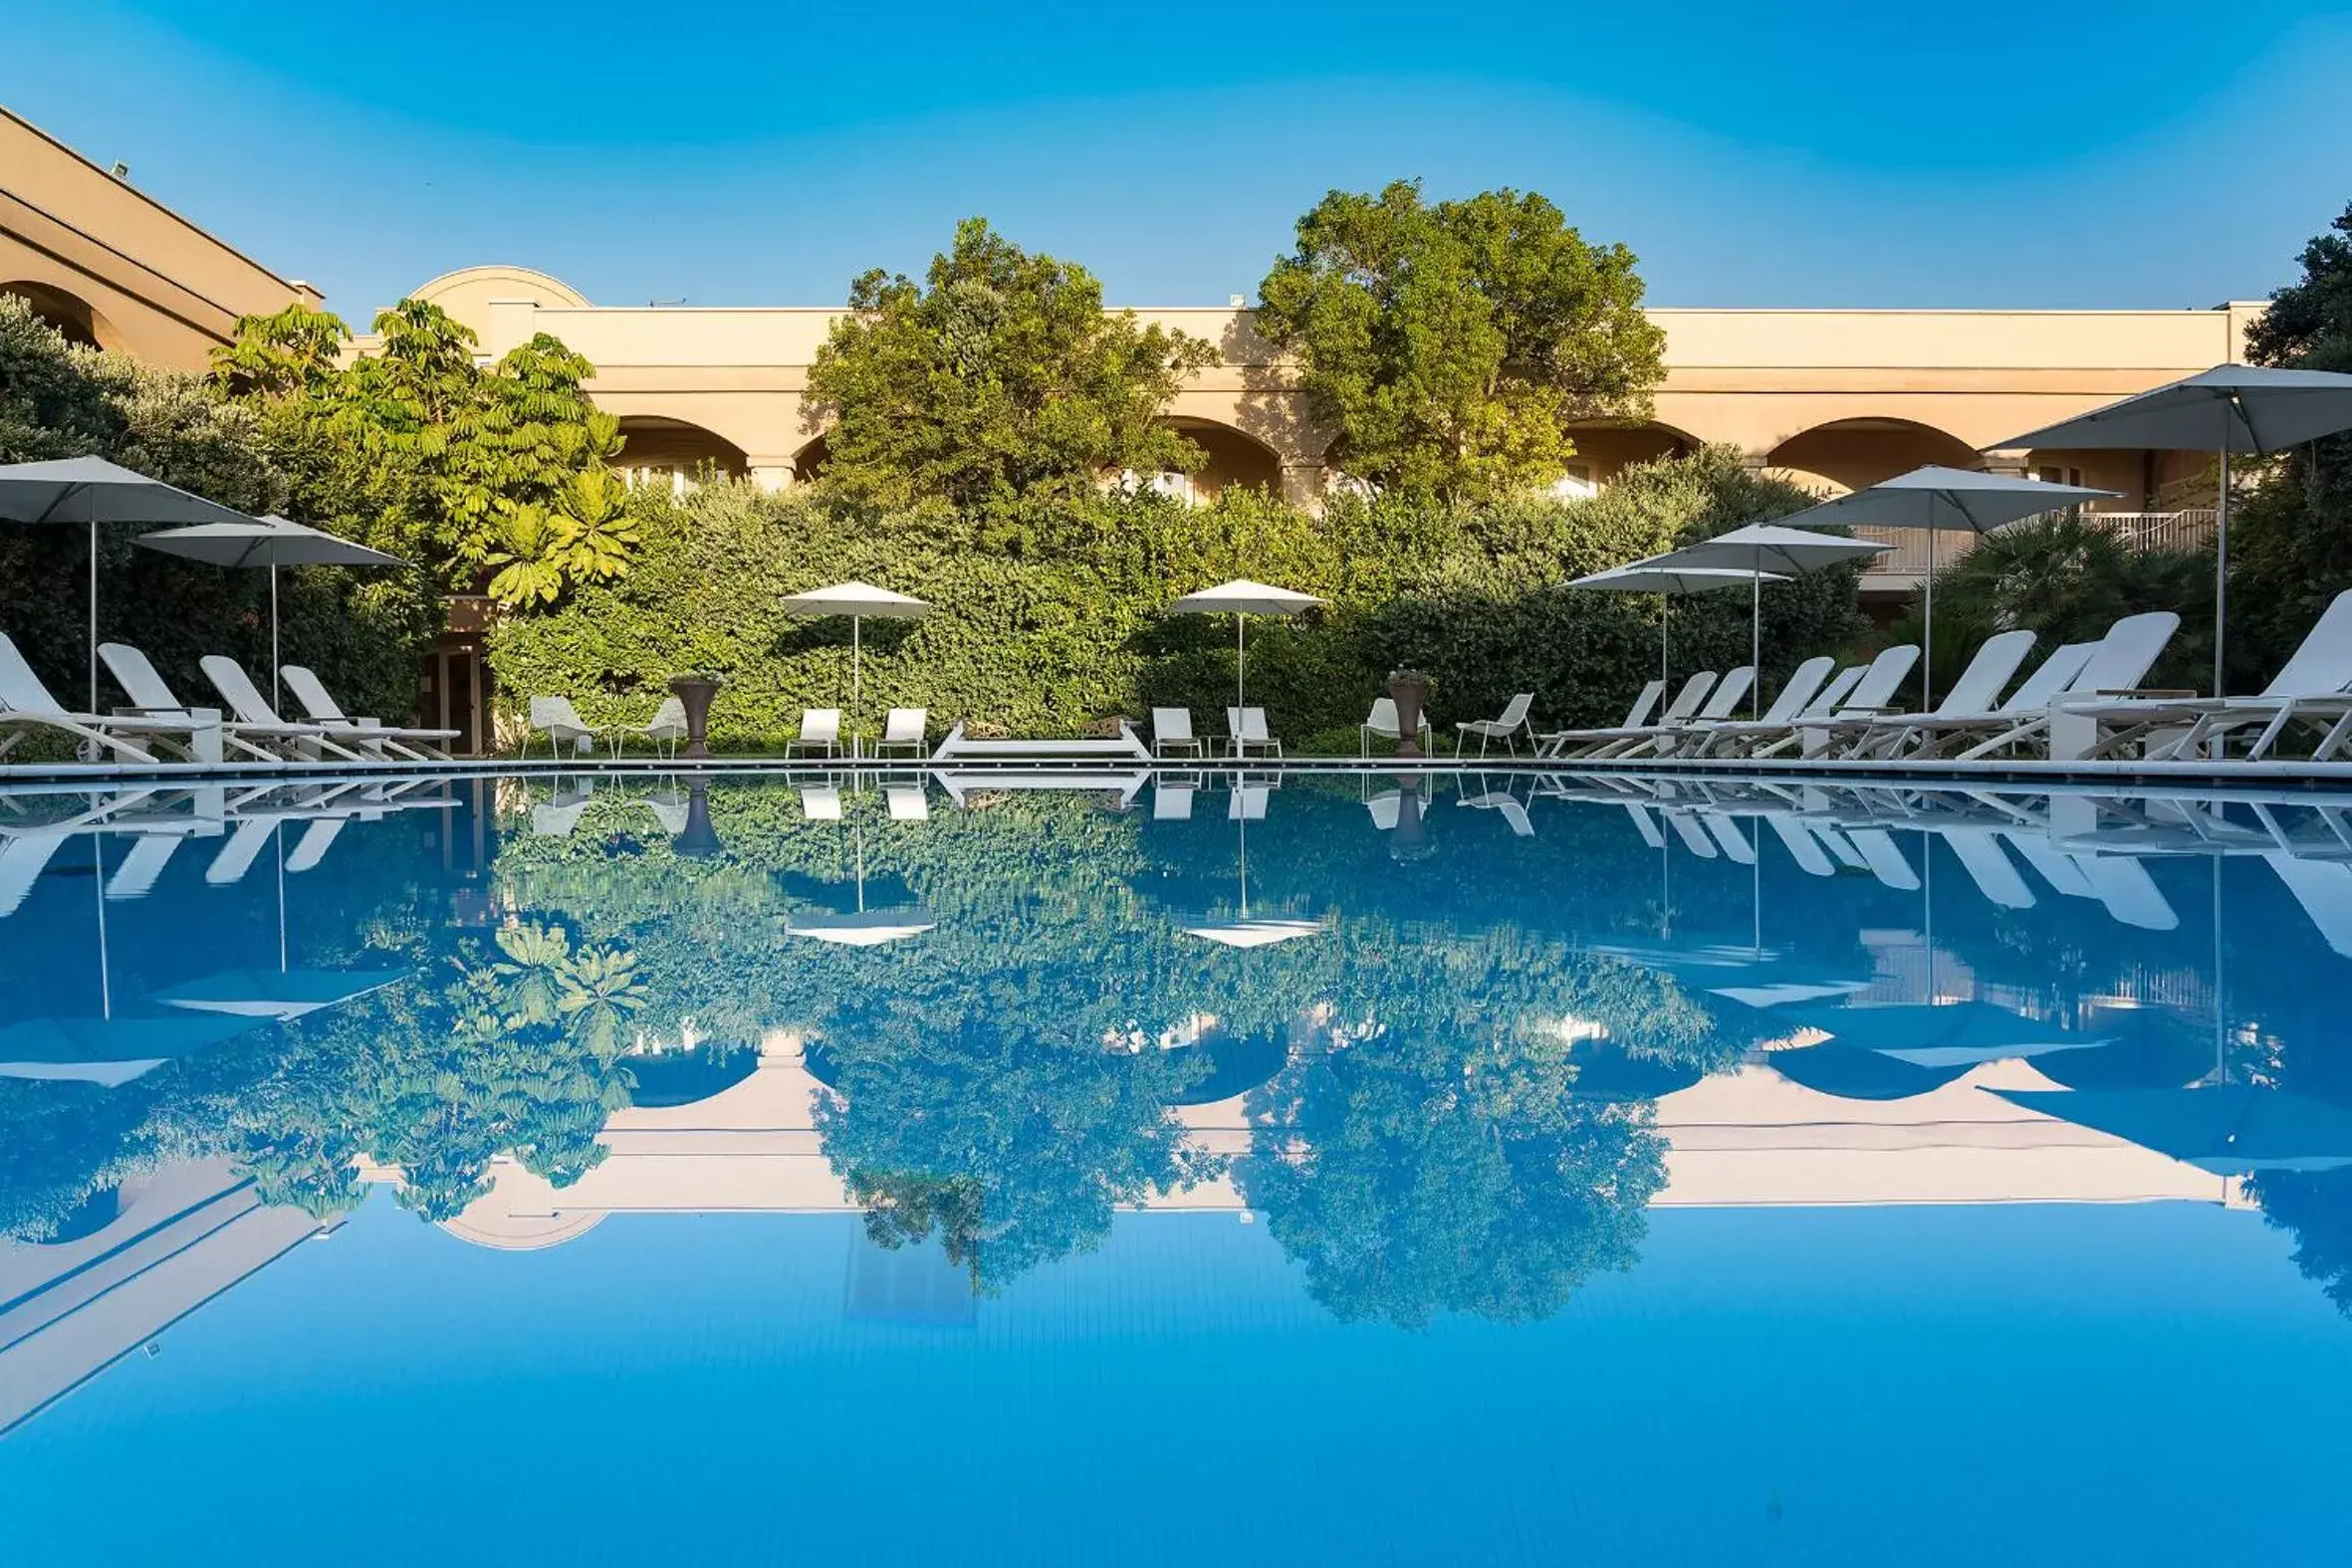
1761 547
857 601
270 542
1655 576
1936 498
1241 598
2229 408
91 491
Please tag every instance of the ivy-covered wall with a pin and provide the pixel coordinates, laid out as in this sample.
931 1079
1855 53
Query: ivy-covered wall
1048 626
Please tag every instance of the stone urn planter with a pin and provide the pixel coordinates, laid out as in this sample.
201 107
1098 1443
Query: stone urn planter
1409 690
695 692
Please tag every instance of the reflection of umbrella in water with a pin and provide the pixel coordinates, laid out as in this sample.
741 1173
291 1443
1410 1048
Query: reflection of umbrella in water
860 927
1960 1033
2228 1129
1252 931
1606 1071
274 994
107 1051
2149 1049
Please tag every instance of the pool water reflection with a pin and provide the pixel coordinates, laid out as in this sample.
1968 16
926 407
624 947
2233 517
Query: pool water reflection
1479 1168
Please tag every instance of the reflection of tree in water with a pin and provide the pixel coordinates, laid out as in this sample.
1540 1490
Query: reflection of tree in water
1014 1150
1416 1174
517 1052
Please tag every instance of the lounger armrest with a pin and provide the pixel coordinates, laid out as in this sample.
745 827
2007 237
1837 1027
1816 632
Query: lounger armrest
2174 692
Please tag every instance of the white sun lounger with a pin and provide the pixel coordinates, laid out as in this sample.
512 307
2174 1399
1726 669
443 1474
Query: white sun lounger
256 717
137 674
1665 736
903 731
2116 666
26 706
1246 731
2310 688
1734 737
1931 735
1644 703
1976 695
1597 742
424 746
1803 686
1865 700
820 728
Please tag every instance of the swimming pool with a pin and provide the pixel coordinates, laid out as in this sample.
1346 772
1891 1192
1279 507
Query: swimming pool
912 1167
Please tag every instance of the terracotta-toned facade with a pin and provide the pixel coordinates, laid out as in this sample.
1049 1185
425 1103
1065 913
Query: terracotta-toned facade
111 265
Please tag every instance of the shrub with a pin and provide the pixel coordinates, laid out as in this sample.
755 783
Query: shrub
1048 627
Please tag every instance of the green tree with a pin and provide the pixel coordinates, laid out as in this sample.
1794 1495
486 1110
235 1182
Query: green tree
2290 537
998 380
295 350
1452 347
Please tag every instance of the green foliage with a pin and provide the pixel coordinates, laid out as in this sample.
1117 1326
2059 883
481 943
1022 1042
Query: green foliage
295 350
2290 534
997 381
362 632
1451 347
1049 645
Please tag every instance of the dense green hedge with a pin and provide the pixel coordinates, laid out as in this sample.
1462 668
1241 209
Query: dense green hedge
1048 627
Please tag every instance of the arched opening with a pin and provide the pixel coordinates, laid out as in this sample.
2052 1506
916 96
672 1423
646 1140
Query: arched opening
675 454
1605 451
1848 454
73 316
809 463
1233 460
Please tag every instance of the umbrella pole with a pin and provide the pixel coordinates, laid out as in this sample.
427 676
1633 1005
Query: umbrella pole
1663 677
278 843
856 660
1927 661
1240 660
1755 638
2220 570
93 601
277 698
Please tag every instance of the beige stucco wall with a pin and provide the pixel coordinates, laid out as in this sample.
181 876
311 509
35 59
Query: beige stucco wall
1893 387
150 283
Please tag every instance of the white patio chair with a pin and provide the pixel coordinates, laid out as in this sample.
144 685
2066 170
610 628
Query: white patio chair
561 723
820 727
319 705
1383 721
667 727
1172 801
904 731
1505 727
1246 728
1171 731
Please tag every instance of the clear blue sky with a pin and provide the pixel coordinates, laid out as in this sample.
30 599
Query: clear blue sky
2156 152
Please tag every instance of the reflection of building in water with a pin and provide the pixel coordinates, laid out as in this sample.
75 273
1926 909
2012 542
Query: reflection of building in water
1747 1138
138 1258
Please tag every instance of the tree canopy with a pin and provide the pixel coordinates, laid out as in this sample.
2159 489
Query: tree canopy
1450 348
1000 379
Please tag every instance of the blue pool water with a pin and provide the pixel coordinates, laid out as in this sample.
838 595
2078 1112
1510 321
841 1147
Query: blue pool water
1318 1169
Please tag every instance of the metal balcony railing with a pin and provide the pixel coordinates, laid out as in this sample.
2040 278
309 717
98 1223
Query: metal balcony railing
2190 529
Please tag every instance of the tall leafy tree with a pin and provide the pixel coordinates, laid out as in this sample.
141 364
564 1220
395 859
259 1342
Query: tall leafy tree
1451 347
2290 543
998 380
